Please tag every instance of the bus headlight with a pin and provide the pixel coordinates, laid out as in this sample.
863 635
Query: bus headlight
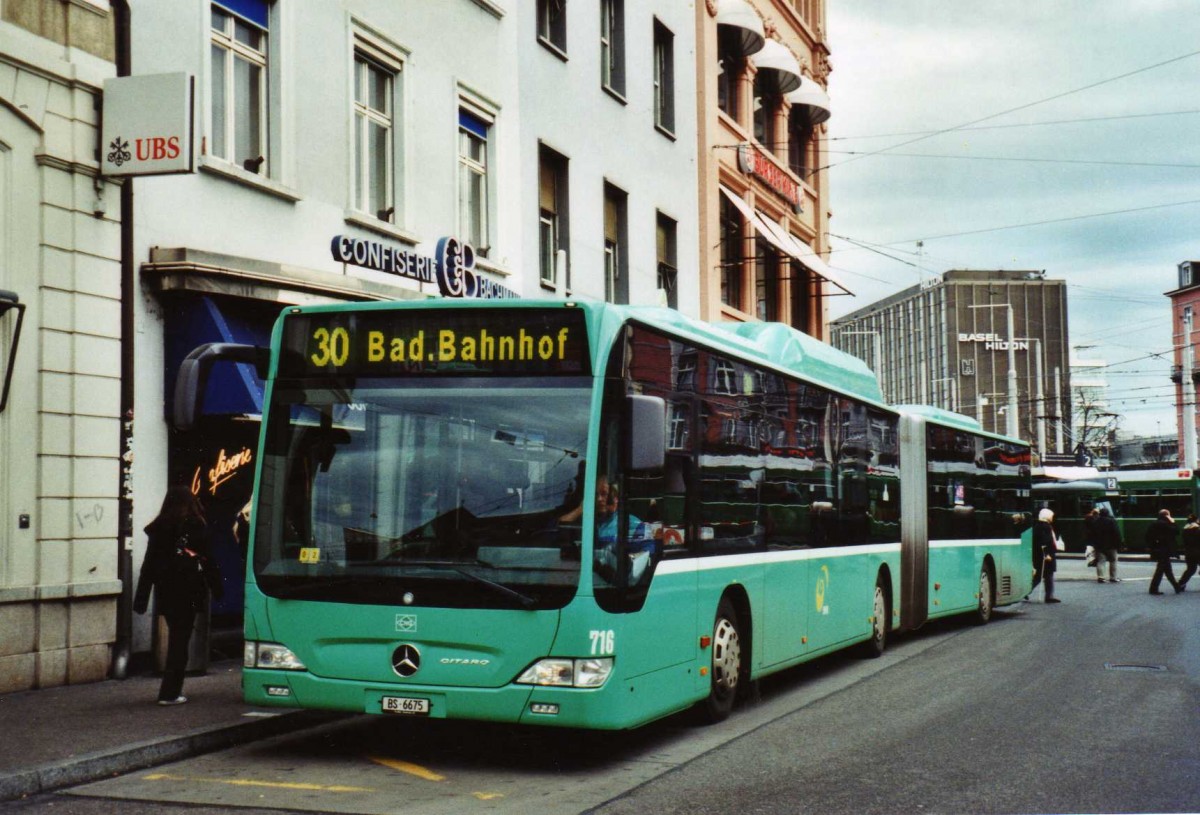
568 673
270 655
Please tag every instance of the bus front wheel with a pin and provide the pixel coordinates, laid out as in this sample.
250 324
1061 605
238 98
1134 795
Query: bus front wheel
875 646
726 663
983 613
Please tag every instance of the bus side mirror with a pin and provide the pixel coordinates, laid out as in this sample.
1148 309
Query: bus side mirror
9 301
647 435
192 378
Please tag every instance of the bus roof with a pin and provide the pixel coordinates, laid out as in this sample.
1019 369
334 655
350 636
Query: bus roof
1170 474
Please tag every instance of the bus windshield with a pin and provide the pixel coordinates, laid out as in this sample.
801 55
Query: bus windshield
440 492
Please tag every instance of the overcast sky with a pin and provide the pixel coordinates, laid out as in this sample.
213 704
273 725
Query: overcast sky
1100 182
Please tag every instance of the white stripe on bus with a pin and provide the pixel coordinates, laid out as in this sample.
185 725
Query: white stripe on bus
683 565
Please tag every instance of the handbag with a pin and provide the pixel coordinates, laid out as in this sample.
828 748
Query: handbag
1058 544
1090 555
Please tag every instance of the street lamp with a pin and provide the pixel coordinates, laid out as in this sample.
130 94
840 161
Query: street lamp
1013 426
1041 394
877 354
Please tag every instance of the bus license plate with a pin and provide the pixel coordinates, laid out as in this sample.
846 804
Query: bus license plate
406 705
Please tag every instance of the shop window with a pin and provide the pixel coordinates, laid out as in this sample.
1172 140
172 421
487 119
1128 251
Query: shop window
375 81
238 85
732 239
612 46
664 78
474 138
552 25
552 215
766 281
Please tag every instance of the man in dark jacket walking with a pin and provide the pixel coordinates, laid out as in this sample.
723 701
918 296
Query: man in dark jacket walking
1160 540
1108 541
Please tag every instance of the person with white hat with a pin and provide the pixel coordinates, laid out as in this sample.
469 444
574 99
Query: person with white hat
1045 542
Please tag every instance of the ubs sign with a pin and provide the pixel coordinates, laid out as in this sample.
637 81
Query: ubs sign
147 128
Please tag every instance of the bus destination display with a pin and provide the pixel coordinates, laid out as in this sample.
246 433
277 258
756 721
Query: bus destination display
407 342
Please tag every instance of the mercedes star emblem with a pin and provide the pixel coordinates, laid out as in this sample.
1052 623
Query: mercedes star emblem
406 660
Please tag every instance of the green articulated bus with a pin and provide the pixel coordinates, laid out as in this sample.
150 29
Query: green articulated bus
1133 497
587 515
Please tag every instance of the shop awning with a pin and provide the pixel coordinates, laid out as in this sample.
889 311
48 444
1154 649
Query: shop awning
233 389
813 98
744 25
776 58
785 242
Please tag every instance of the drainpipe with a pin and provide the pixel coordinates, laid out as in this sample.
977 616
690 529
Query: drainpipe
124 643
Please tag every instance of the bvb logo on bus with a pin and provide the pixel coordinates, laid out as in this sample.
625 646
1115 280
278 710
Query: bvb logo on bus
822 584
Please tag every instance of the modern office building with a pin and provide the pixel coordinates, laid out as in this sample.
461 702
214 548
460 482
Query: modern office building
322 148
761 69
990 344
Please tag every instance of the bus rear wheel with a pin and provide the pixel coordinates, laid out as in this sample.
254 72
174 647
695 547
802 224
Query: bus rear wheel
726 663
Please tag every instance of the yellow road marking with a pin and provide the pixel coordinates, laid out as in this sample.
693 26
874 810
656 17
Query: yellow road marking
488 796
406 767
247 782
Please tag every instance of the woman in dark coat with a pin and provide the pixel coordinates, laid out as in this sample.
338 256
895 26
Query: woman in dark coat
1043 543
179 568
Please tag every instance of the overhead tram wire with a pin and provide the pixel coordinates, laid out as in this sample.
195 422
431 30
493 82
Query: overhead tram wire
1013 109
1102 162
1023 124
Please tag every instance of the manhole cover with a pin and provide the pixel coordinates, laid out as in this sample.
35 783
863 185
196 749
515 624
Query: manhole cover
1131 666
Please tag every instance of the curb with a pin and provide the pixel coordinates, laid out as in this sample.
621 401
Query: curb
141 755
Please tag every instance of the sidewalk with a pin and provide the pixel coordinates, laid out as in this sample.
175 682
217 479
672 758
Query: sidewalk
58 737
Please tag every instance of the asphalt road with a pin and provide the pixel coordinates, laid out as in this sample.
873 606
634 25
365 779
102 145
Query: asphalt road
1086 706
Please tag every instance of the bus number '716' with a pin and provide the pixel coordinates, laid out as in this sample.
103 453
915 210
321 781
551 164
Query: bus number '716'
603 642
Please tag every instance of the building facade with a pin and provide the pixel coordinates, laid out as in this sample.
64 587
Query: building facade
557 139
947 342
761 68
59 265
1185 370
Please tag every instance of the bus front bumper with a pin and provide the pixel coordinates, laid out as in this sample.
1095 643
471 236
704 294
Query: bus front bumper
596 708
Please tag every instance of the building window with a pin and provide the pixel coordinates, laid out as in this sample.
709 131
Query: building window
612 45
552 24
374 137
668 262
802 303
766 105
732 236
473 137
800 134
552 215
239 85
664 78
766 282
731 65
616 264
1185 274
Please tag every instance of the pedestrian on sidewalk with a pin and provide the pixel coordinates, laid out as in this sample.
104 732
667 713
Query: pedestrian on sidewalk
1045 542
181 571
1191 550
1091 541
1108 543
1160 540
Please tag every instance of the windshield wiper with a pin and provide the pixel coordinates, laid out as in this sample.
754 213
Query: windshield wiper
524 599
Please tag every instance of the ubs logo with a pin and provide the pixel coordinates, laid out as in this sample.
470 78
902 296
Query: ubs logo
406 660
